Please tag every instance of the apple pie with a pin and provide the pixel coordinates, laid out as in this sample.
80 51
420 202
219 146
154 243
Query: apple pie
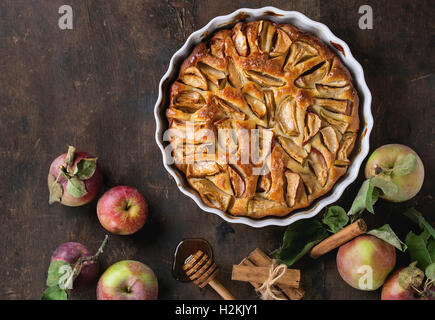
263 118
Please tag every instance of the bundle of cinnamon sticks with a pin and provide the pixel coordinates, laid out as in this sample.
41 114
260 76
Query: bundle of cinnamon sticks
256 269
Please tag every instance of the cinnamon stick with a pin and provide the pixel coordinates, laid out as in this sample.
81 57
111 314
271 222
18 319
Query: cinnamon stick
259 258
353 230
291 277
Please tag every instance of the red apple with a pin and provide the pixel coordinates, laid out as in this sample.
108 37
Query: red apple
71 252
365 262
85 173
127 280
393 290
382 162
122 210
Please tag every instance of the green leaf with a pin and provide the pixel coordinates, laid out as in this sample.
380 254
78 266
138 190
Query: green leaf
76 187
418 250
387 187
387 234
430 271
359 203
431 248
411 276
417 217
335 218
54 273
298 240
405 165
85 168
371 197
365 199
422 246
54 293
55 190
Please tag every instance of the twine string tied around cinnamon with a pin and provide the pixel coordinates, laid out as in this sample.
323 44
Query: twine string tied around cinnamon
267 290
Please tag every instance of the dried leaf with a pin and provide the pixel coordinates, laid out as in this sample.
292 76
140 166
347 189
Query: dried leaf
55 190
411 276
76 187
85 168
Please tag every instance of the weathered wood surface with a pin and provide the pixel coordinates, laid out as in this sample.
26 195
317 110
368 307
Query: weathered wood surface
95 87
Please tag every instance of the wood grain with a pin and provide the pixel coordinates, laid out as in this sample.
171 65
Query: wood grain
95 87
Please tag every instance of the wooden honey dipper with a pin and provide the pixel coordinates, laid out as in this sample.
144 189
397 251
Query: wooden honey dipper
202 270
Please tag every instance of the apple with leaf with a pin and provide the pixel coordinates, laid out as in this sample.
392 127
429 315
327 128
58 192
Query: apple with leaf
417 281
74 178
397 170
72 268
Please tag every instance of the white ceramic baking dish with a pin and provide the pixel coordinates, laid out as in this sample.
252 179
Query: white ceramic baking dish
304 23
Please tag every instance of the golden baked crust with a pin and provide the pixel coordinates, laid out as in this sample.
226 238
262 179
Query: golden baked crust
267 83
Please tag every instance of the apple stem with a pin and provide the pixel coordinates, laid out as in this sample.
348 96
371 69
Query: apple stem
127 205
63 172
58 176
379 170
428 283
101 248
420 292
78 265
130 286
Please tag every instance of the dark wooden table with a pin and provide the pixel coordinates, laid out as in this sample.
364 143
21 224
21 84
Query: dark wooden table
95 87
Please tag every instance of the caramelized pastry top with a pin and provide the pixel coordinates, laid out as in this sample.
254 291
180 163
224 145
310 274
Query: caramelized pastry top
263 118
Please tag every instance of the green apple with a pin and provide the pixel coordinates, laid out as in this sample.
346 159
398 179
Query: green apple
400 165
365 262
128 280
